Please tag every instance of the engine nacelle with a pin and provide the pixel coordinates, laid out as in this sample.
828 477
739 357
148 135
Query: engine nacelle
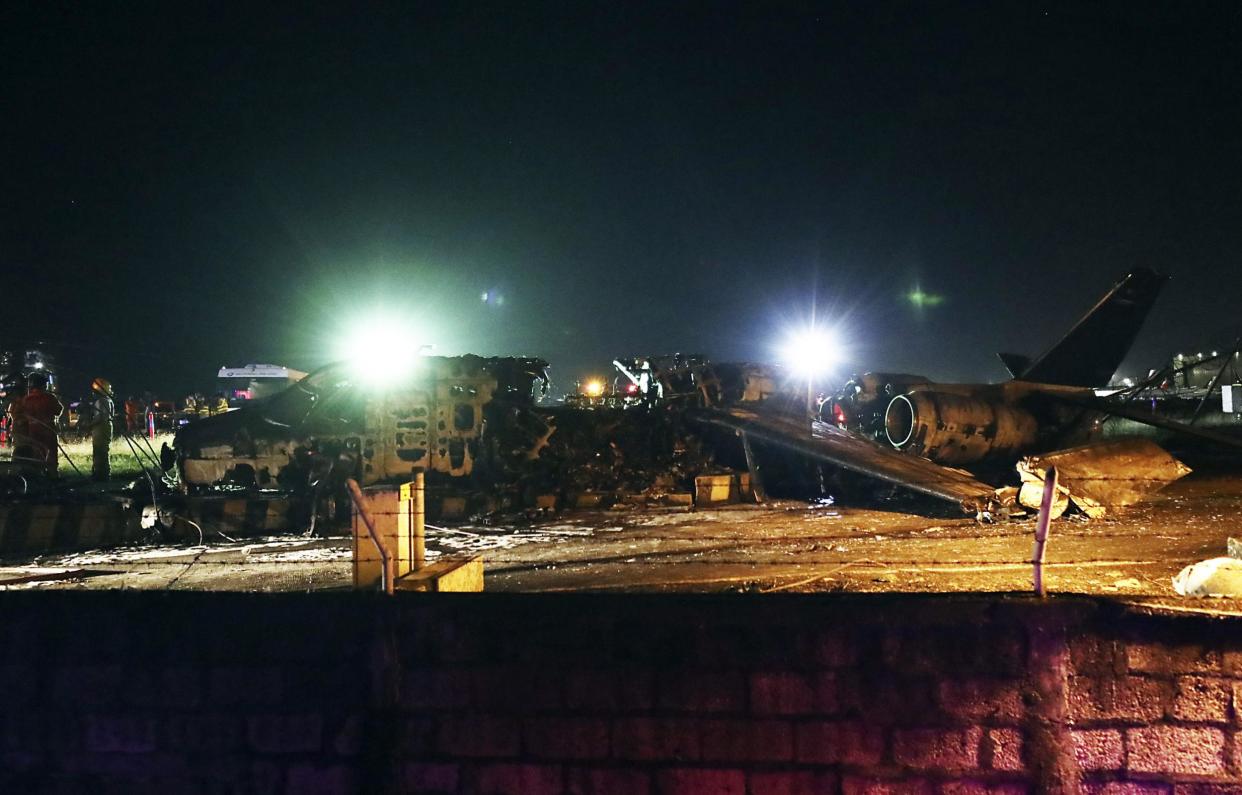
957 429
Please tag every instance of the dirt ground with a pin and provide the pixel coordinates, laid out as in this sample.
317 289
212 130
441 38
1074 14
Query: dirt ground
780 546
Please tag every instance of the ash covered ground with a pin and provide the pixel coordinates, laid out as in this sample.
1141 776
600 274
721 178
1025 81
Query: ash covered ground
783 546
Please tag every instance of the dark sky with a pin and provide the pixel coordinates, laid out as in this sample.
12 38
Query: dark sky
184 191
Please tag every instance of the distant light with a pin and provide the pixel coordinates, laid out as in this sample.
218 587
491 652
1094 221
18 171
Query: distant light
632 389
383 349
593 388
38 365
811 352
1127 382
921 299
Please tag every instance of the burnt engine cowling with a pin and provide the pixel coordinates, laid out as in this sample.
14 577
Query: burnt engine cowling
957 429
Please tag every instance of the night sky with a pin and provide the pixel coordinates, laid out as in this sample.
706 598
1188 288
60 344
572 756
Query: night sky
182 192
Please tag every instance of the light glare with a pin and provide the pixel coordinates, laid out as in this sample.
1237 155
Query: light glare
811 352
382 349
593 388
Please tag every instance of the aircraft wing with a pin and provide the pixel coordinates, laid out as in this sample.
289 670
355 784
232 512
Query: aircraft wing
1148 417
832 445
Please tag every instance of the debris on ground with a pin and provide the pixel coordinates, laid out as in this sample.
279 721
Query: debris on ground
1102 476
1220 577
1031 493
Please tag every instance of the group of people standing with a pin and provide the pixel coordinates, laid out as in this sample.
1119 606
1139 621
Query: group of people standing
33 420
198 406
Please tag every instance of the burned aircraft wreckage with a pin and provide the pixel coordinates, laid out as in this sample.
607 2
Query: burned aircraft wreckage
478 427
911 431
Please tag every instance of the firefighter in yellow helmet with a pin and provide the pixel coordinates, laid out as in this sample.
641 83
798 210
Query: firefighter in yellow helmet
101 428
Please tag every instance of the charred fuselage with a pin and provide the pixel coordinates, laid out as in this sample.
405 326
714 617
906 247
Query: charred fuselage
965 424
452 416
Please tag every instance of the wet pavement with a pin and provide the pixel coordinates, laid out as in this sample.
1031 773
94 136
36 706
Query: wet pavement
777 547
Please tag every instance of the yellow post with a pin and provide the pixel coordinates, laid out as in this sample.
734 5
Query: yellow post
412 522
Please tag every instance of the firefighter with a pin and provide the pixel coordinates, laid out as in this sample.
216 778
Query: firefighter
220 406
102 411
40 409
19 427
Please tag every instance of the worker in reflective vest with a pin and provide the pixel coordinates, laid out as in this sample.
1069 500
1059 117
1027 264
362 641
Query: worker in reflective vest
101 429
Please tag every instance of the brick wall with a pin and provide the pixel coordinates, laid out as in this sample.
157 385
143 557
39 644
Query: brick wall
345 693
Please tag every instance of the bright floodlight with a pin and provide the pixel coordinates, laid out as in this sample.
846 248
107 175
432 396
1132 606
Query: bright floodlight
383 349
811 352
593 388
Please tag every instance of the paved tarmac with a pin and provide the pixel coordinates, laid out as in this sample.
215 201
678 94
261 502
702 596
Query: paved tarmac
752 549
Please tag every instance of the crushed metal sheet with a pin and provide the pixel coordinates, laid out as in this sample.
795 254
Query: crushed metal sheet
1031 493
1105 475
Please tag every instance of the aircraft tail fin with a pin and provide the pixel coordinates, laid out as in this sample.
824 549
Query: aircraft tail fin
1093 349
1015 363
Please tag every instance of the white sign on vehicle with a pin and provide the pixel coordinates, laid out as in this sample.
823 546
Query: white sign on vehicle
260 371
1226 399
